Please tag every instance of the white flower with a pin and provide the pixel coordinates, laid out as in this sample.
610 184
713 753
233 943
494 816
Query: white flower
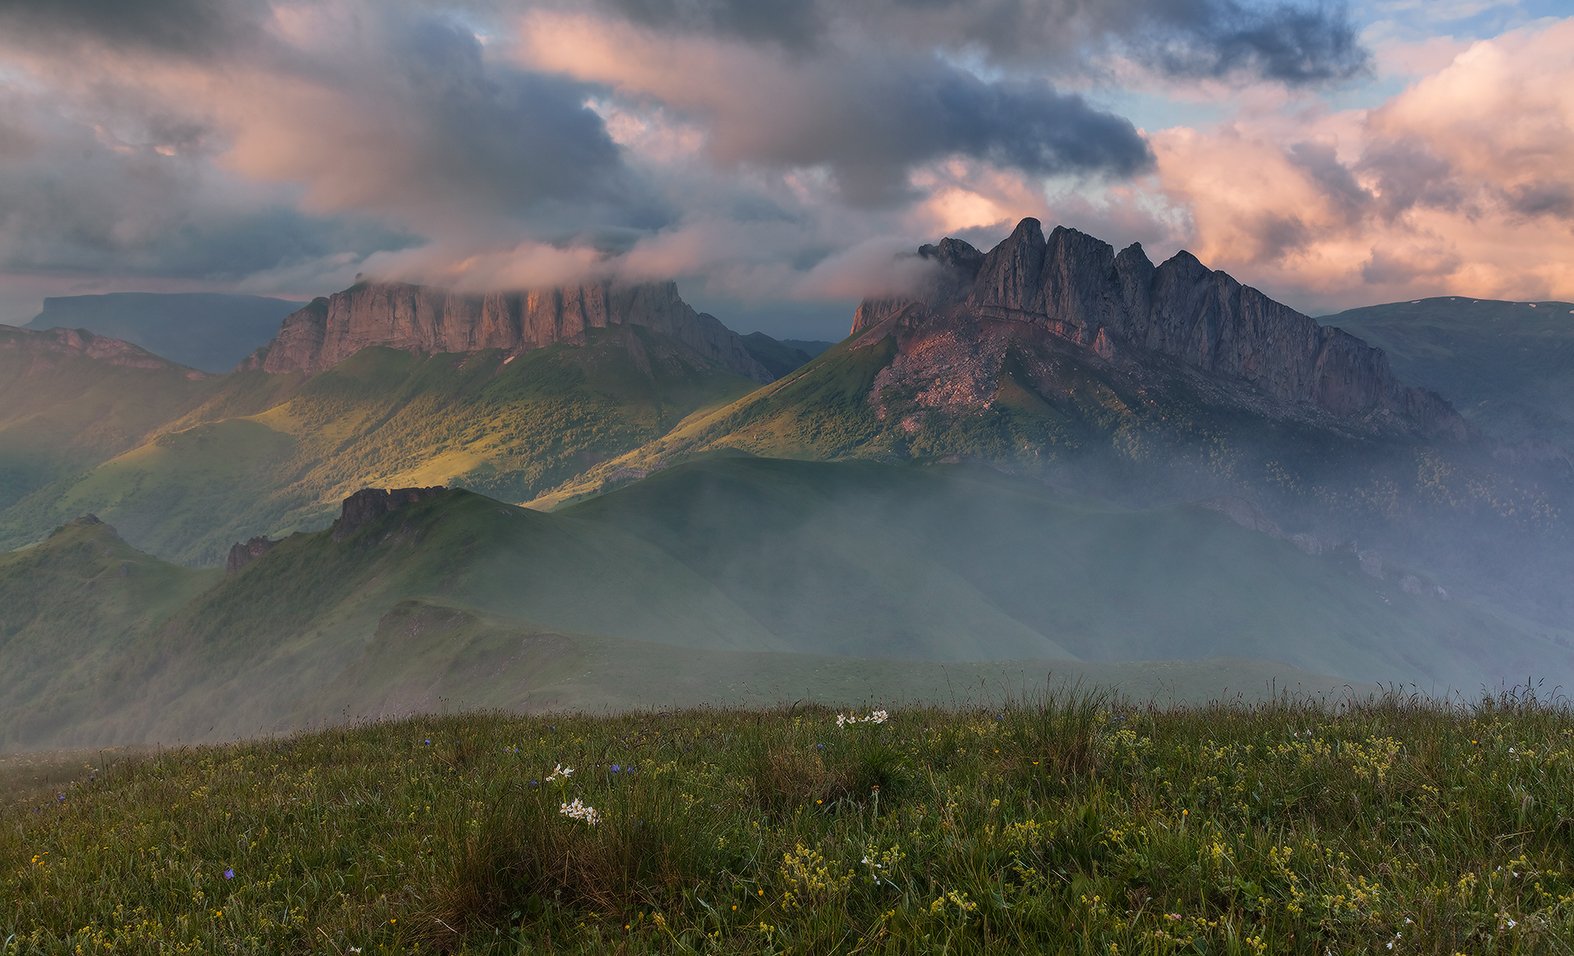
873 717
560 772
579 811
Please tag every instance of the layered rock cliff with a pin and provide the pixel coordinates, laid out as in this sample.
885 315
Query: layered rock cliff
1077 288
429 320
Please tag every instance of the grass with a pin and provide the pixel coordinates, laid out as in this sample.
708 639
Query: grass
1074 823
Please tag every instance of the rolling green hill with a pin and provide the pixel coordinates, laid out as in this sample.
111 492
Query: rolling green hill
69 400
1507 366
275 453
725 579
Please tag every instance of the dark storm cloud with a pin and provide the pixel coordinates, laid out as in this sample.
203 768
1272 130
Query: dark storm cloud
868 116
1290 44
488 140
1408 174
180 27
794 25
894 117
72 204
1338 184
1293 43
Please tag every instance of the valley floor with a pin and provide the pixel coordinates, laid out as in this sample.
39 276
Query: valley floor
1076 823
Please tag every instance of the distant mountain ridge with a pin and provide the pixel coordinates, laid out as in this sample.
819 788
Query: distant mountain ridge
429 320
1077 288
84 344
1507 366
207 331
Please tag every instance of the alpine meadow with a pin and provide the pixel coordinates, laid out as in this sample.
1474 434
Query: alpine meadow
642 476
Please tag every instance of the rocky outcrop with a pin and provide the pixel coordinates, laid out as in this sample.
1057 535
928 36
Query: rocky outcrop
1077 288
428 320
369 504
68 342
243 553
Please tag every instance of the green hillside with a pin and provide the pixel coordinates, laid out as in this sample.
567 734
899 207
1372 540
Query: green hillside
272 454
63 410
727 579
75 608
1507 366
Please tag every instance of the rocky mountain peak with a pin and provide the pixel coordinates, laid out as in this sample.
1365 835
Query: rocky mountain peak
1075 287
369 504
428 320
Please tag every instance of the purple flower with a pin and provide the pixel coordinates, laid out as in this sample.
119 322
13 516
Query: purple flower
229 874
428 741
616 768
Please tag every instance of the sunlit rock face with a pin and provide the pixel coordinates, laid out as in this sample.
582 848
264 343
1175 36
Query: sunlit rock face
429 320
1121 307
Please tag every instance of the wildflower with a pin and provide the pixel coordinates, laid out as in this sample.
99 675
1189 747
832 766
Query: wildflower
579 811
229 873
616 768
427 741
560 772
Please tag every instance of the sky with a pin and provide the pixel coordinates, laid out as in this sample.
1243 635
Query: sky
780 160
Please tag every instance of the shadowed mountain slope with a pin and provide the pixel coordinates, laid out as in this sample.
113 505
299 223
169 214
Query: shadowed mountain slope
723 560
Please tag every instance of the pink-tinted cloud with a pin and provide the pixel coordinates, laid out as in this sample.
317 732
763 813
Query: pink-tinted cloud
1463 183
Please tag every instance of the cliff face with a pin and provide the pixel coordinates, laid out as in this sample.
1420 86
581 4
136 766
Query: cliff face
1077 288
424 319
369 504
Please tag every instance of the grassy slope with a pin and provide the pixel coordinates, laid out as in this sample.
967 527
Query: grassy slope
62 413
1073 825
244 465
73 605
1507 366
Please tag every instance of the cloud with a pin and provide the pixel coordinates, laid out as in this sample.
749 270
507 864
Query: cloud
406 118
768 152
869 116
1461 183
337 131
1286 42
167 27
77 199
